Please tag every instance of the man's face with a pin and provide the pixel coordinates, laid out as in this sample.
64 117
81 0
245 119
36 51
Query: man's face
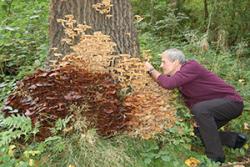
168 67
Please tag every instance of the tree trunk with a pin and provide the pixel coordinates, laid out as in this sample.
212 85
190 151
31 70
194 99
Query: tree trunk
119 26
177 5
205 12
152 5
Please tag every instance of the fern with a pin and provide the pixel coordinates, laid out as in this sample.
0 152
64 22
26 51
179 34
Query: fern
18 122
16 126
61 124
9 136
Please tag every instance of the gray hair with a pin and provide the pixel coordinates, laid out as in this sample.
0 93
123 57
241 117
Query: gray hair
175 54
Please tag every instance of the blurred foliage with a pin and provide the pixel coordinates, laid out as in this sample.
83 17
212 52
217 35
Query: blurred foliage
23 36
226 22
218 36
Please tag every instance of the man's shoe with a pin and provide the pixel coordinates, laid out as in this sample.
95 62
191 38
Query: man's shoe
240 141
218 159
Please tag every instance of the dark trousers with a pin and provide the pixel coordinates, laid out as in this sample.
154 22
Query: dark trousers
210 115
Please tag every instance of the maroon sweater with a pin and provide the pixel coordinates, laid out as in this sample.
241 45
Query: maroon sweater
197 84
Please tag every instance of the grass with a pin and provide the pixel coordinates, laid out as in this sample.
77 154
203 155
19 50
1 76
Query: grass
26 51
89 150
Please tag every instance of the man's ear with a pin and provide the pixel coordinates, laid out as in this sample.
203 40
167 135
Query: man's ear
176 62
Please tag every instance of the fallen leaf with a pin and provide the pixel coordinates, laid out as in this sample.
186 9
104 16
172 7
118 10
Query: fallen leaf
31 162
246 126
192 162
11 150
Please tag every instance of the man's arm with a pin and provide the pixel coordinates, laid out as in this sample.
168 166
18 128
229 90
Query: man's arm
154 74
185 75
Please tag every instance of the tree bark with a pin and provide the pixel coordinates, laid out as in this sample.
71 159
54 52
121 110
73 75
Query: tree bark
120 26
205 12
177 5
152 5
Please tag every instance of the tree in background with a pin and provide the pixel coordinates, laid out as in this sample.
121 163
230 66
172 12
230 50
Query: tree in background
226 22
230 21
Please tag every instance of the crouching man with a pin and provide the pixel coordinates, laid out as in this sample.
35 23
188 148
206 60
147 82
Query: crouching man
212 101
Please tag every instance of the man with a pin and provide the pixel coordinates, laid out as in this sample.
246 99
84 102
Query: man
212 102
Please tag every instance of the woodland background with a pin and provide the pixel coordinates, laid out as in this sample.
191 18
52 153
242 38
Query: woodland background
214 32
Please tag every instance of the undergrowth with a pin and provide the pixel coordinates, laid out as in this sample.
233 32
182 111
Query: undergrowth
23 48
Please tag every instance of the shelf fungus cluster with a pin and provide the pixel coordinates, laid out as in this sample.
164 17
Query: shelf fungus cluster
114 92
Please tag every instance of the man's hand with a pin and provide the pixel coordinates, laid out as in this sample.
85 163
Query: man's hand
153 73
149 66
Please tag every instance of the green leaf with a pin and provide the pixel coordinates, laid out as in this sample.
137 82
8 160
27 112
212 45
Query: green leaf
165 158
34 17
9 28
147 161
149 155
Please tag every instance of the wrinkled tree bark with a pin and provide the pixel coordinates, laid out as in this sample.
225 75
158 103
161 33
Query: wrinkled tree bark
120 26
205 11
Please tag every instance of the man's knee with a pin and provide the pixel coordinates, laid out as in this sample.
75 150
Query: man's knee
196 109
199 110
